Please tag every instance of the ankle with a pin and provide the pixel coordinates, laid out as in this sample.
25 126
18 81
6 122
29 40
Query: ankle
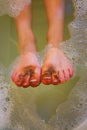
55 36
55 42
27 42
28 48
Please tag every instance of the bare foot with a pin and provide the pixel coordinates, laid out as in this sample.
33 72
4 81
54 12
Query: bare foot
56 68
27 71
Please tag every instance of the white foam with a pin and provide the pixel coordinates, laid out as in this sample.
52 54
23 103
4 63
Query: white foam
12 8
18 110
73 112
82 126
5 102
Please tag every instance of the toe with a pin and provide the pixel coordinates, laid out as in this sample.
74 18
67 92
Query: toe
13 76
35 79
66 75
71 71
17 79
20 80
55 79
25 83
34 82
46 78
47 74
61 76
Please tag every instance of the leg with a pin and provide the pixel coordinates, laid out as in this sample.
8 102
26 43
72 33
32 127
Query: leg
27 71
56 67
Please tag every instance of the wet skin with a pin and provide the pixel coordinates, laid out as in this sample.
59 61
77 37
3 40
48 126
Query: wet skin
57 68
27 73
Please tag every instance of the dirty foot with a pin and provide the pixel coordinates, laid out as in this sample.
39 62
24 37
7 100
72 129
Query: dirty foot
56 67
27 71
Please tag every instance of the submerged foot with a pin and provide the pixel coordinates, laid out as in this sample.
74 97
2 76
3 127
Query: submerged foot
27 71
56 68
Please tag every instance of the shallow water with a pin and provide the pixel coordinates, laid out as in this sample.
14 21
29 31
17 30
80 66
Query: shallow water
45 107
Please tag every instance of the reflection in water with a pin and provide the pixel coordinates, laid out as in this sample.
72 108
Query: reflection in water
18 109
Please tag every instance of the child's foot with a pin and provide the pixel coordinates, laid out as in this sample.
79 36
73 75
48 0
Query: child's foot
56 68
28 71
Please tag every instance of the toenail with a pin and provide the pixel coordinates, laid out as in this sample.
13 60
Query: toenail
34 83
46 75
33 80
47 78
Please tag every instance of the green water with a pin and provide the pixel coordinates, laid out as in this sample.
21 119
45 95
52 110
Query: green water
47 98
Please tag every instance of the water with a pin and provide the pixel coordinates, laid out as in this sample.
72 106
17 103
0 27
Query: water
46 107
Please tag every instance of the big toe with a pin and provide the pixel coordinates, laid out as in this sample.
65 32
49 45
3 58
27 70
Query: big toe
46 77
35 78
